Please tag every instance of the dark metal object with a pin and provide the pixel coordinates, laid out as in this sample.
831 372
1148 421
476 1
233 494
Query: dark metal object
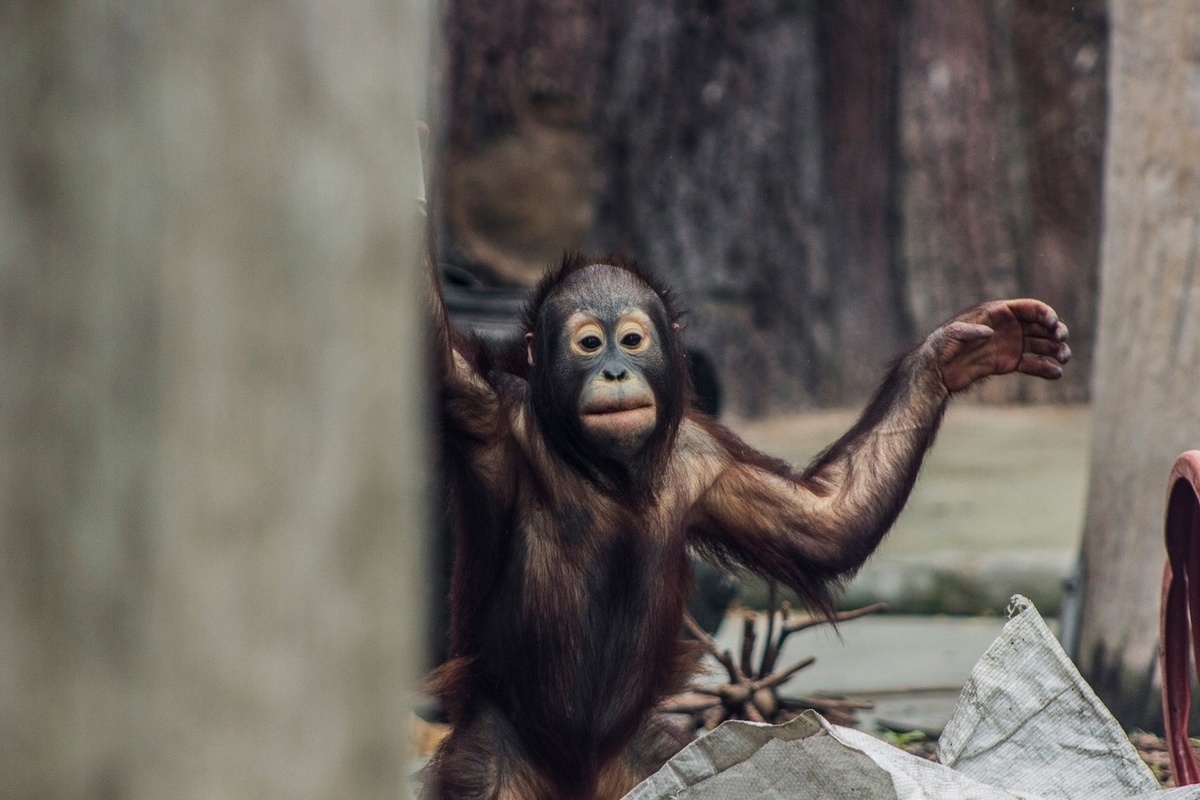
1180 614
492 312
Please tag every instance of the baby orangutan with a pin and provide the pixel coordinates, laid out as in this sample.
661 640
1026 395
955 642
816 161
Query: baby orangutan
579 478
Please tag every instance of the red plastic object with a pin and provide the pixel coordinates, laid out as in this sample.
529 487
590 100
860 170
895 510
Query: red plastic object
1181 612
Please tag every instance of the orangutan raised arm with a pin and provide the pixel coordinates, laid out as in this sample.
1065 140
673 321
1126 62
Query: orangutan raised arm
809 529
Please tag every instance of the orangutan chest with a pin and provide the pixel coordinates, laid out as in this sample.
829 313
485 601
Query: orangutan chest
583 567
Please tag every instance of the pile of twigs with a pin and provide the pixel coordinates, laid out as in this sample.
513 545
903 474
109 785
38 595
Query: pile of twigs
752 691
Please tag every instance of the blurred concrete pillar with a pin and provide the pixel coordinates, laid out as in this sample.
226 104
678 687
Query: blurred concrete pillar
212 465
1145 410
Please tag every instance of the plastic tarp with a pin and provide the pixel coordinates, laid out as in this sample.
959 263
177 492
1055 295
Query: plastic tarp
1026 726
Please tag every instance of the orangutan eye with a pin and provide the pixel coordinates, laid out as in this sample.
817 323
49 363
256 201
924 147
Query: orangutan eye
590 343
631 340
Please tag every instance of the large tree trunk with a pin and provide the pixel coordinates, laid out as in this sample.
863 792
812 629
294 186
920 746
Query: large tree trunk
518 182
994 188
712 152
1148 355
823 182
1061 53
212 474
1002 110
962 187
687 135
859 45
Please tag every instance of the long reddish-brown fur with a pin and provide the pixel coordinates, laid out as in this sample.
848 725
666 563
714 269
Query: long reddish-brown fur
571 568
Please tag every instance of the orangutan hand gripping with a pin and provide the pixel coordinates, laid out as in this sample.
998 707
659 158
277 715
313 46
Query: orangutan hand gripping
579 479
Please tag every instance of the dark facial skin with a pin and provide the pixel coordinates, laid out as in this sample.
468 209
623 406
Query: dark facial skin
605 354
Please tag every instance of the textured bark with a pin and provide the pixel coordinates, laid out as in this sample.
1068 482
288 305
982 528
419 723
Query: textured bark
859 46
713 157
504 59
823 182
1148 353
210 484
519 176
702 121
1061 54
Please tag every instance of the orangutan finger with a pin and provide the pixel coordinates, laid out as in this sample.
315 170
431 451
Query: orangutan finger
1039 366
1045 347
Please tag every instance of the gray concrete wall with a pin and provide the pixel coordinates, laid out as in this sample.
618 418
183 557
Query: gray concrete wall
213 456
